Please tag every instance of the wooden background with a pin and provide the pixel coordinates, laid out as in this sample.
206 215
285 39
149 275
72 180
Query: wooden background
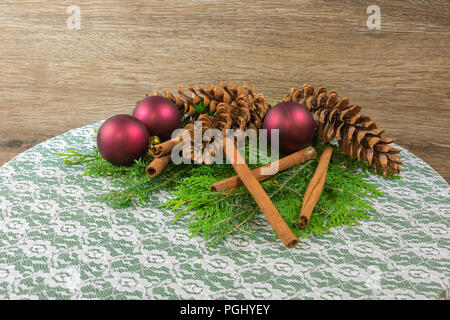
54 79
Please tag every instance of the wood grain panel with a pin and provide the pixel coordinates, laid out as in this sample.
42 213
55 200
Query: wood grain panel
54 79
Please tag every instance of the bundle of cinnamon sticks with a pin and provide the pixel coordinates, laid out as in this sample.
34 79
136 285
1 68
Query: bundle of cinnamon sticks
250 179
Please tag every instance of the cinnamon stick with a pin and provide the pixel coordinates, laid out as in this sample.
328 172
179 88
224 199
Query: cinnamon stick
157 166
285 163
315 188
262 199
164 148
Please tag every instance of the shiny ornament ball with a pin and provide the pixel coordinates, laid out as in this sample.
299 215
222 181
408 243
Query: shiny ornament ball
160 116
121 139
295 123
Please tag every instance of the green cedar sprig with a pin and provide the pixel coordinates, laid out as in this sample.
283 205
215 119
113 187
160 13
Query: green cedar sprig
345 199
200 108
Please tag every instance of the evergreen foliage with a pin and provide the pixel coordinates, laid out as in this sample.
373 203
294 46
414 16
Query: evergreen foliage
214 215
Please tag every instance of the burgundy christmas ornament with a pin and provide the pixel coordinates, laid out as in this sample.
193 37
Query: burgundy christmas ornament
121 139
160 116
295 123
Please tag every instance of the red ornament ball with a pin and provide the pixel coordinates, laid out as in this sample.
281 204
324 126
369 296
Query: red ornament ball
121 139
160 116
295 123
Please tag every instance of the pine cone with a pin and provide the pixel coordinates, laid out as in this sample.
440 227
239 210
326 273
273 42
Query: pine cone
258 106
247 111
234 107
223 118
212 95
357 135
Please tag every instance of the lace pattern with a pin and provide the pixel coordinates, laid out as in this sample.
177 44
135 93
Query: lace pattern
56 241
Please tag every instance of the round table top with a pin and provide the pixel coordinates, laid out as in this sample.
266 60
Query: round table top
58 241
